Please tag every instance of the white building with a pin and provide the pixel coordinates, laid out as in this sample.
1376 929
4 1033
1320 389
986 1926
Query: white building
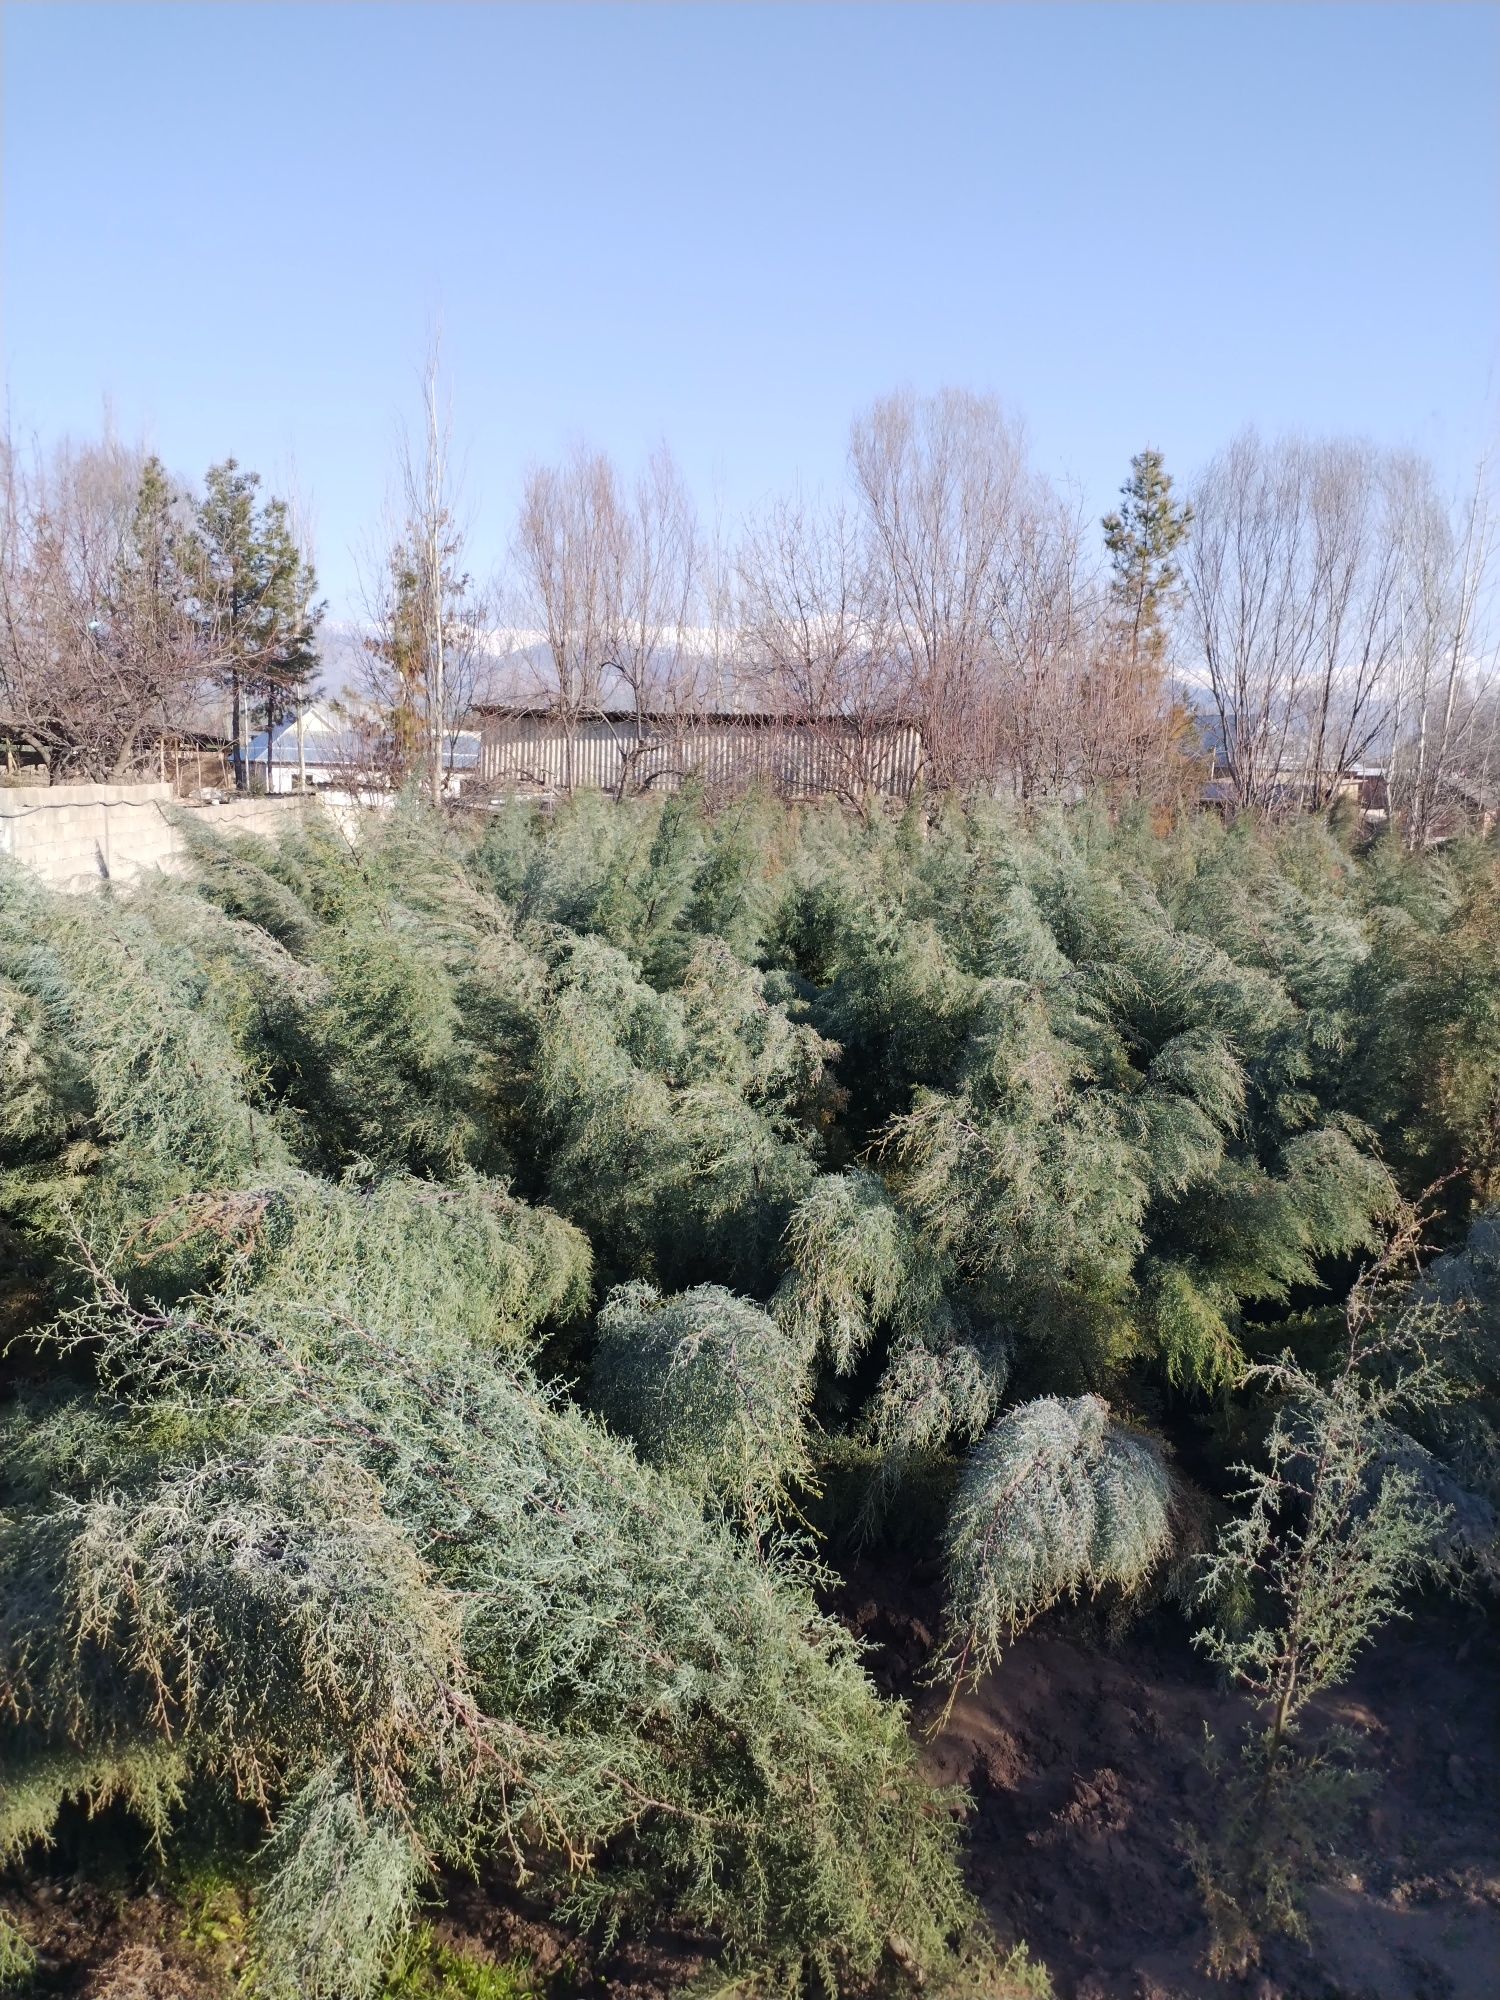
317 749
348 754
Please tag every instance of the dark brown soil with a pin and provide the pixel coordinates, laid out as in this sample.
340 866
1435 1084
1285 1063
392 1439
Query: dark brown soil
118 1943
1079 1765
1082 1764
113 1943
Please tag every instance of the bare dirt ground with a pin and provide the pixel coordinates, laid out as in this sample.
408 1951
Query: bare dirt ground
1082 1764
122 1942
1079 1765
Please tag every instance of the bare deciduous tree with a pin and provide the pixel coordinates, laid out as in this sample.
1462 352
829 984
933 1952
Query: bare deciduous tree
569 554
1335 610
815 643
101 654
1047 629
1444 734
1251 615
940 478
655 668
1356 583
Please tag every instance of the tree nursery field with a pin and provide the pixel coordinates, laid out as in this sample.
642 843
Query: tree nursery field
648 1400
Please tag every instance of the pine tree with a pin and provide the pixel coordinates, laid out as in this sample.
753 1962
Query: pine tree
257 601
1142 537
155 637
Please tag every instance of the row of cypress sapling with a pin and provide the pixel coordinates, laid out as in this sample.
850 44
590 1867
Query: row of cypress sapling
313 1535
787 1145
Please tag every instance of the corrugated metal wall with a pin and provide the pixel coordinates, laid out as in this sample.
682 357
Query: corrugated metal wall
800 762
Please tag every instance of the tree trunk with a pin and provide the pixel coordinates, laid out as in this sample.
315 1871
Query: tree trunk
237 712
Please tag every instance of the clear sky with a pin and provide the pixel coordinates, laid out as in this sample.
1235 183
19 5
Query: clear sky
730 226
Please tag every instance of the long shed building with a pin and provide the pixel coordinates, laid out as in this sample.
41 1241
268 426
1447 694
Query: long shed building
524 747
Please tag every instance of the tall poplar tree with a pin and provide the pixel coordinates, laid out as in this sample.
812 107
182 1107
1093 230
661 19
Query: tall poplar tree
423 616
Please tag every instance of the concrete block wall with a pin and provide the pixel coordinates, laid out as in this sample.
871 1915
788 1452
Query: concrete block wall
73 836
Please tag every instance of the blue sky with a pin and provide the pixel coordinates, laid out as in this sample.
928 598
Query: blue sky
732 226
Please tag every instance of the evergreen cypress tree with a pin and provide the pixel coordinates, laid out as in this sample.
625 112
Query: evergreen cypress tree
711 1389
257 600
987 1152
1055 1500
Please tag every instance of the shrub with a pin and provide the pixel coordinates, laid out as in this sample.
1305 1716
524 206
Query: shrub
708 1387
403 1598
1054 1500
889 1141
1330 1537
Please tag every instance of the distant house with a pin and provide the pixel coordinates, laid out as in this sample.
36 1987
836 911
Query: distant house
343 753
196 760
527 746
1292 786
318 751
461 754
193 760
1474 801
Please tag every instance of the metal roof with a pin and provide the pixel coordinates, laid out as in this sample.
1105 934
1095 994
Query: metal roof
691 718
